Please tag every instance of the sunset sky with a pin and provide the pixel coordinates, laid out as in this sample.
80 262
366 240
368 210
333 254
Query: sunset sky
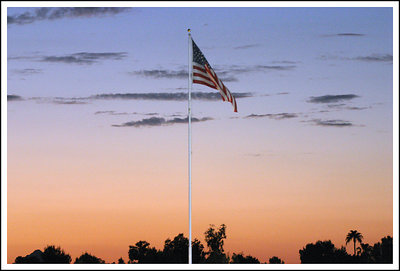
97 154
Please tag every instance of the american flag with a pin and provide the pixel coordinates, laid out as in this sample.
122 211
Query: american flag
205 75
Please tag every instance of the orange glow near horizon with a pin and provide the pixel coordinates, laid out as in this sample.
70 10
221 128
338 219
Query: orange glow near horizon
97 206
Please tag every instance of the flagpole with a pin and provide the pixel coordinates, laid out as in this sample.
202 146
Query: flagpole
190 141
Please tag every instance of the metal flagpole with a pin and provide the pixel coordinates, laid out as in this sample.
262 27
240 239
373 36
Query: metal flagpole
190 141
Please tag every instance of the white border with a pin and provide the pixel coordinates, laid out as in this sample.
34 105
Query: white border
393 4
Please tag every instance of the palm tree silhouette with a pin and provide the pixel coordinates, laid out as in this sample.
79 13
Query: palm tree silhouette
355 236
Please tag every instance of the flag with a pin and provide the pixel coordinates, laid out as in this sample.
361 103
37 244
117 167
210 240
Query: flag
203 74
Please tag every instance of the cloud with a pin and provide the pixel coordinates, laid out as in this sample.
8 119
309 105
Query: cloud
46 13
161 73
114 113
235 69
375 58
357 108
59 100
332 123
343 106
172 96
177 74
368 58
247 46
27 71
68 102
11 98
84 57
279 116
225 73
350 35
332 98
156 121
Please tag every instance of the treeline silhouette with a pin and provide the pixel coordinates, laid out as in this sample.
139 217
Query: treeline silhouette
176 251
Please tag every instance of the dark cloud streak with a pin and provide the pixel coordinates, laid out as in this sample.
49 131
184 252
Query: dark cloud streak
225 73
84 57
11 98
174 96
332 98
156 121
278 116
350 35
247 46
27 71
45 13
375 58
332 123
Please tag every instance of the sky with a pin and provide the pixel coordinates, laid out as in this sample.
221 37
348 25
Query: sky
97 141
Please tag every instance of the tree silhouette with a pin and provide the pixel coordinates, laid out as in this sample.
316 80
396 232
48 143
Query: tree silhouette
382 252
142 253
365 253
324 252
215 243
35 257
198 253
239 258
176 251
356 237
275 259
87 258
54 254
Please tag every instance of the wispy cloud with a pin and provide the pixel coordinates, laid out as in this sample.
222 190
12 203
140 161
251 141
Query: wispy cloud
235 69
156 121
27 71
278 116
75 58
111 112
348 34
115 113
343 106
11 98
332 98
59 100
357 107
67 102
158 73
367 58
46 13
375 58
225 73
165 96
285 62
332 123
247 46
178 74
84 57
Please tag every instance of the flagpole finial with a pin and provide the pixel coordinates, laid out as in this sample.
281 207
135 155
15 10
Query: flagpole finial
188 30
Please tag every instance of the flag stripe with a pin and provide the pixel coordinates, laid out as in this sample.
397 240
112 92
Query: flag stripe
203 74
206 80
215 80
203 83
